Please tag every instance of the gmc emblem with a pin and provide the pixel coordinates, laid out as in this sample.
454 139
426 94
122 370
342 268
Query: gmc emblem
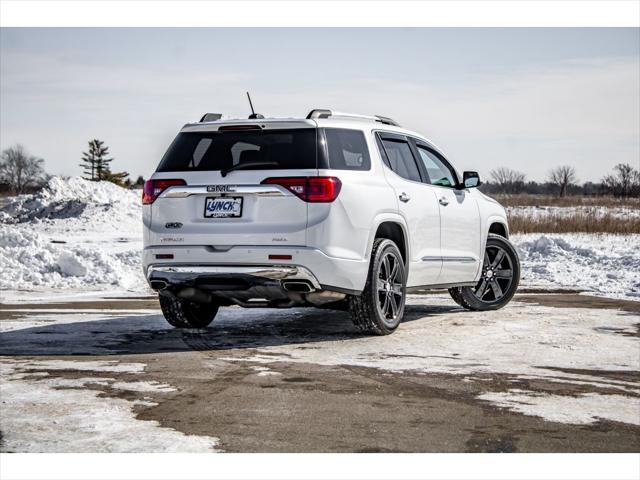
221 188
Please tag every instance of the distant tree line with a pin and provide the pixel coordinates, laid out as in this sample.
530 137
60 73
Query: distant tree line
623 182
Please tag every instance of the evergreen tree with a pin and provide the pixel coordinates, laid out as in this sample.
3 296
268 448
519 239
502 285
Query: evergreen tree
119 178
95 161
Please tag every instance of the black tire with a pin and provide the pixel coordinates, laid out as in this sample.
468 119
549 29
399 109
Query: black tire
380 308
499 280
184 314
457 296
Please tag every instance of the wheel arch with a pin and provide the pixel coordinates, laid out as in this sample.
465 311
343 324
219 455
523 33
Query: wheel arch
393 228
499 228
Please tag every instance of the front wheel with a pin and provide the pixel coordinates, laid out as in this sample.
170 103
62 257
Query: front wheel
380 307
183 314
499 280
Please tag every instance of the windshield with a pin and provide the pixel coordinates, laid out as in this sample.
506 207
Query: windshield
259 150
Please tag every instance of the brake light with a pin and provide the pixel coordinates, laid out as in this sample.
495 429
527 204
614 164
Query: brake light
309 189
153 188
233 128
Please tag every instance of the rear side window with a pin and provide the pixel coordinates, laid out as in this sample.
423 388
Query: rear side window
400 159
258 150
346 149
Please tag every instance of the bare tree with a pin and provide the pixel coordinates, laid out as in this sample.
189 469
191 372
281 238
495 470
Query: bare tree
21 170
509 181
562 176
624 182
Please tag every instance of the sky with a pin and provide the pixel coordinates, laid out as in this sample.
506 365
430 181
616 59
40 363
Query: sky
525 98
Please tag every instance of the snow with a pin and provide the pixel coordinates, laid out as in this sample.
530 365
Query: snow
48 415
521 342
94 366
582 409
264 371
73 234
77 235
565 346
604 264
559 213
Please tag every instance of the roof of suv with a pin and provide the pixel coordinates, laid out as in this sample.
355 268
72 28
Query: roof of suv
332 119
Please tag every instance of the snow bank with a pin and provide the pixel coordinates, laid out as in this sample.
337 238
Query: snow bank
92 203
73 234
30 260
604 264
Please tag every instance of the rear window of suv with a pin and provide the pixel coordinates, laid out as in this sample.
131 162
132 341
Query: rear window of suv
260 150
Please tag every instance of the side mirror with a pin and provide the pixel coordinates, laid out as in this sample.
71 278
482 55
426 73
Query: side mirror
471 180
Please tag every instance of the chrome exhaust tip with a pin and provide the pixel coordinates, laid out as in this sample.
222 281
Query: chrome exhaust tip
297 286
158 285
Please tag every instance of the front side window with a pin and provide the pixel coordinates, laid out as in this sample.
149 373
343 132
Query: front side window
259 150
400 159
439 173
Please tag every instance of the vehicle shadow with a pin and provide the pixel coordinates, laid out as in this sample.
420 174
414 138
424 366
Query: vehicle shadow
234 328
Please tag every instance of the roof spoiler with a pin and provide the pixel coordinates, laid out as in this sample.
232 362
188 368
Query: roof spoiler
210 117
324 113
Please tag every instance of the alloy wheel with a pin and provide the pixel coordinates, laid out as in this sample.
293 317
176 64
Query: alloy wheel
389 287
497 275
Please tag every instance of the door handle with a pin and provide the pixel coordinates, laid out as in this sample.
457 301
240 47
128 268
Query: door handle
404 197
443 201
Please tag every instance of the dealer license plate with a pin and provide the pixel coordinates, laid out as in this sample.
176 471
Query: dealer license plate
223 207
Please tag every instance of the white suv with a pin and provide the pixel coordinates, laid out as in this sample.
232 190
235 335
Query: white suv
334 210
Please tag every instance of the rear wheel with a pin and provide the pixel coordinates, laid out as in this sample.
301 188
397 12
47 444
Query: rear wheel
380 307
499 280
184 314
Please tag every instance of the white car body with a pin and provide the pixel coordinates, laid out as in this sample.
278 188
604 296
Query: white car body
444 229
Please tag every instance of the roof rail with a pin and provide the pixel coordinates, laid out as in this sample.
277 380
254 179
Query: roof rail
386 120
319 113
210 117
324 113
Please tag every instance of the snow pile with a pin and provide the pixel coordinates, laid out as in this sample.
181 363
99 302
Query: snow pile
72 234
604 264
79 202
30 260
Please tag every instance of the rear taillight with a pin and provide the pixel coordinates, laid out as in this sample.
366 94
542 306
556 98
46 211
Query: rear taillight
309 189
153 188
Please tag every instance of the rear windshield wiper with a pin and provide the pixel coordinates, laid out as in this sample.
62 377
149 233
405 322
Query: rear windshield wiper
256 163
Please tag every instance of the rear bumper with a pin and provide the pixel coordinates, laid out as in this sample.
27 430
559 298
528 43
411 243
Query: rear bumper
230 277
309 264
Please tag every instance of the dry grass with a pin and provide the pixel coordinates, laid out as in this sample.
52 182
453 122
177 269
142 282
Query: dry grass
578 222
583 220
527 200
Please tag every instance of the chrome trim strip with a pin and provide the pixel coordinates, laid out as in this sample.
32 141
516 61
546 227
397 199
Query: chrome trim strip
188 190
459 259
450 259
273 272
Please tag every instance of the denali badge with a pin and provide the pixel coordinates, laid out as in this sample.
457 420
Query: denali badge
221 188
173 225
